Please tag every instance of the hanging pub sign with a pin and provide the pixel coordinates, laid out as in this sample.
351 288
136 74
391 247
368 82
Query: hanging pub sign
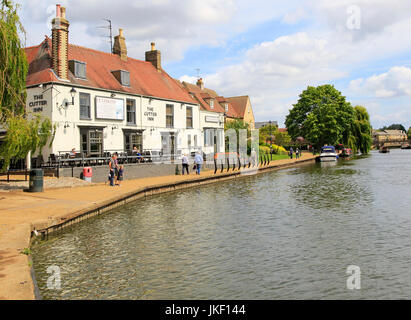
38 103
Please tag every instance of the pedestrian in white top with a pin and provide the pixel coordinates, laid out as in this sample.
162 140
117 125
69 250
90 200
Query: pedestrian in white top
184 162
198 159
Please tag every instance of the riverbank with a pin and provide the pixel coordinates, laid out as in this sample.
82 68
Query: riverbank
21 213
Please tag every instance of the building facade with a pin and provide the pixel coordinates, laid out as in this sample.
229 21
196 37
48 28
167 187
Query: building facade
103 102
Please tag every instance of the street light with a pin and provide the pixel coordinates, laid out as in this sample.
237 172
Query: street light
72 93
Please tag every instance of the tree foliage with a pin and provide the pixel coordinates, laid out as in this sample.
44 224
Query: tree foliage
267 134
13 63
394 126
24 132
323 116
361 132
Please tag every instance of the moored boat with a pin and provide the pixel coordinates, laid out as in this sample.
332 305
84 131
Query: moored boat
406 146
346 152
328 154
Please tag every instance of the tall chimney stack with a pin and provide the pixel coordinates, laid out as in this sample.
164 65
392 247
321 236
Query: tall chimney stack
119 46
200 83
60 29
154 57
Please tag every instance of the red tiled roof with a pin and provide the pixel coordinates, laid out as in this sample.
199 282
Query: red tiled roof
144 77
202 95
239 104
282 130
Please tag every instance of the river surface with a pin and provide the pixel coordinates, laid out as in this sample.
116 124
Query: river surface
288 234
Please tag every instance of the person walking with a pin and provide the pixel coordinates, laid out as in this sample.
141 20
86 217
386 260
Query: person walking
198 160
113 165
297 153
184 162
291 152
120 175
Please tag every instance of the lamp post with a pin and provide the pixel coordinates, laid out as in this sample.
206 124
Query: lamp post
73 94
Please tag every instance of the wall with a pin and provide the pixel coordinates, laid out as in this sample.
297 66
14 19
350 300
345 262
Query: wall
131 171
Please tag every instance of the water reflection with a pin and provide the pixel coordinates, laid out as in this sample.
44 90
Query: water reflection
286 234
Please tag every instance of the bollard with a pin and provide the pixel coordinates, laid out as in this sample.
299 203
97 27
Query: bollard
36 180
87 174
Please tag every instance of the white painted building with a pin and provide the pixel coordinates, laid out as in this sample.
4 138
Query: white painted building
103 102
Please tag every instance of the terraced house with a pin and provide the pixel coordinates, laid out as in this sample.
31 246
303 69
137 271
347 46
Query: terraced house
103 101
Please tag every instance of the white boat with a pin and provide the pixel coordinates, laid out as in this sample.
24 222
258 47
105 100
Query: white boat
328 154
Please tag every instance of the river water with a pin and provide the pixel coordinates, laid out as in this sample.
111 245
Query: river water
288 234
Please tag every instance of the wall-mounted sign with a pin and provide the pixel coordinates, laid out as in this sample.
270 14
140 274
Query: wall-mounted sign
150 114
212 119
109 108
38 103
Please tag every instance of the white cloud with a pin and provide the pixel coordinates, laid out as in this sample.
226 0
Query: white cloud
393 83
274 71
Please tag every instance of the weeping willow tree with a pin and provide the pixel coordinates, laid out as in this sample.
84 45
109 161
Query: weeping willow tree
24 133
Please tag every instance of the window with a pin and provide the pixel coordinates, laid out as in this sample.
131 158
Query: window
85 106
169 116
189 117
226 107
189 141
125 78
212 103
131 111
78 69
195 141
122 76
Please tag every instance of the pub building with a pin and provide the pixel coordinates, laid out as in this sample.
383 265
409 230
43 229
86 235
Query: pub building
108 102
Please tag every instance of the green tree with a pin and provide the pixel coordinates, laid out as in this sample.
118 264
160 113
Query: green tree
237 125
267 134
321 116
282 138
394 126
361 131
409 133
24 133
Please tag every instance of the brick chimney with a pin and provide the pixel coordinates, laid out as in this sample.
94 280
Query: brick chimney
154 57
119 46
200 83
60 29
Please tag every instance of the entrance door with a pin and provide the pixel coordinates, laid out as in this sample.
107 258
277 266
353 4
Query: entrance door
91 142
168 145
131 140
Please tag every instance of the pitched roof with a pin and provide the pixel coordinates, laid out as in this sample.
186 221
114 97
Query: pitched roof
145 79
203 96
239 104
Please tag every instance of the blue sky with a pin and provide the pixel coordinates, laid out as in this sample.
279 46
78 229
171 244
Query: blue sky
269 50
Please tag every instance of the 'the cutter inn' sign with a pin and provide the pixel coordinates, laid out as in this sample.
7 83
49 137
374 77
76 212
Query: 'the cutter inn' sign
38 103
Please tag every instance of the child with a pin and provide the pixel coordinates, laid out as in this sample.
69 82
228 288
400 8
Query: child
120 175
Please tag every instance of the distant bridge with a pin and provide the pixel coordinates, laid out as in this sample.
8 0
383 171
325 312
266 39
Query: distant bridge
390 143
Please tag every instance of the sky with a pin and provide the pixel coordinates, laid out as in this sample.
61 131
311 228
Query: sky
270 50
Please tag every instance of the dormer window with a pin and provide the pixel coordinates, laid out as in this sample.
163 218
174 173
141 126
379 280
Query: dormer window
78 69
123 77
226 107
211 103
